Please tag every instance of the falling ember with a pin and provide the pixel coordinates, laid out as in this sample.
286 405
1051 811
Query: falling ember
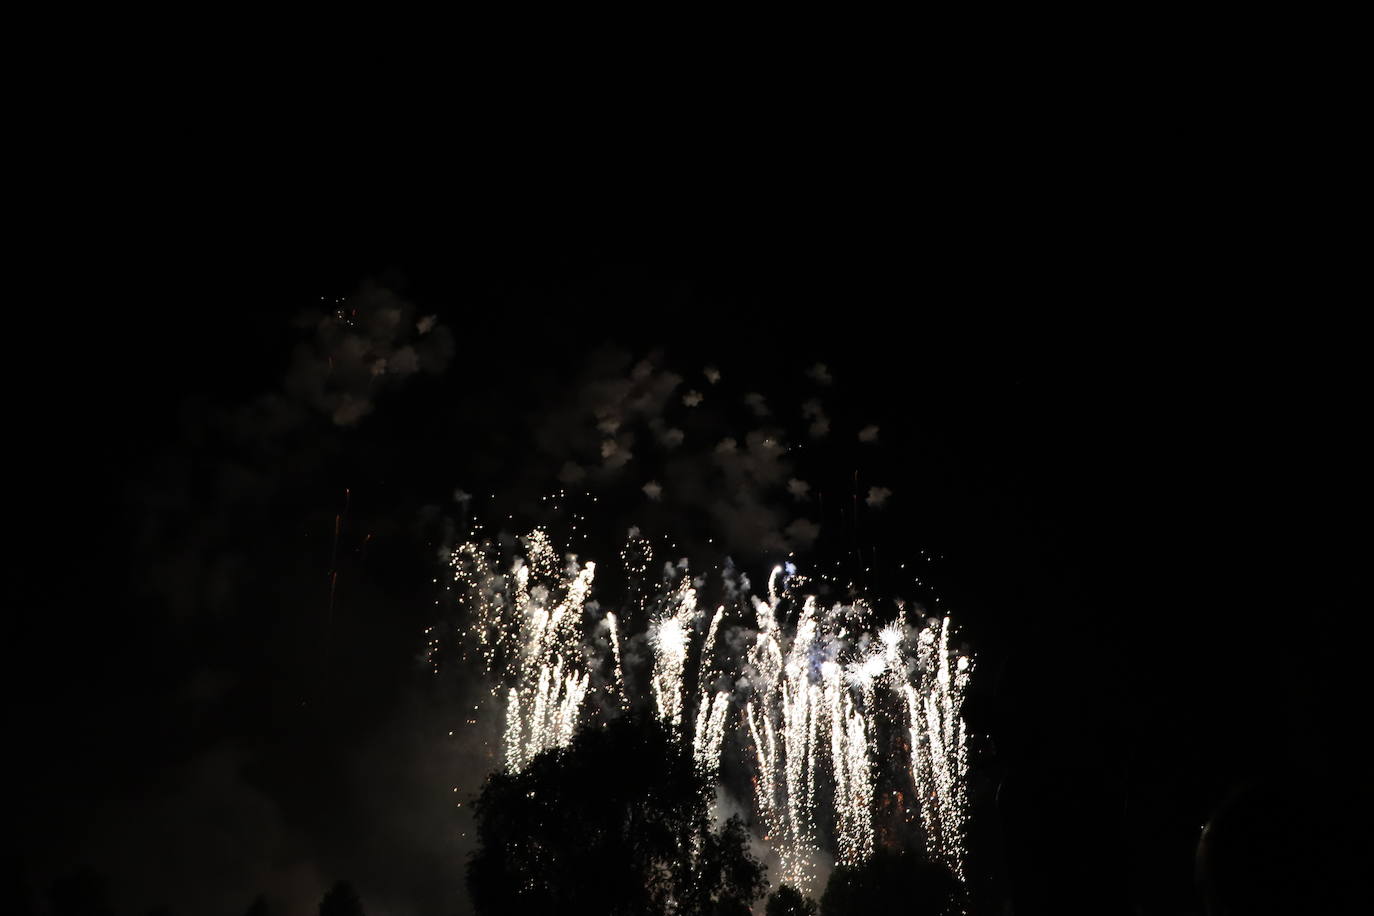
668 634
939 746
528 627
615 651
802 703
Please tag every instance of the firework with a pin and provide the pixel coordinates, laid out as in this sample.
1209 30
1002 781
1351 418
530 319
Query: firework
807 699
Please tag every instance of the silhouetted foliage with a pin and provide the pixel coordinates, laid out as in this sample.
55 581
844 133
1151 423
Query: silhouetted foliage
1268 850
891 883
788 901
20 899
341 900
81 893
616 824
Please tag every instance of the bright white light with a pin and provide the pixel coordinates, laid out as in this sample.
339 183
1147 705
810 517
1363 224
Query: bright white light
800 699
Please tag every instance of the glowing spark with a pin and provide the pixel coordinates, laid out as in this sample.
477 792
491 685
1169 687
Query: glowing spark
809 697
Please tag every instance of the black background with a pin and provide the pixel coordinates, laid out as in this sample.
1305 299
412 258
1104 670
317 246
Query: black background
1132 422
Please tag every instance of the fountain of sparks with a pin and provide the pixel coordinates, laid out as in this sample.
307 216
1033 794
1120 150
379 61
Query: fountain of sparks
805 700
527 625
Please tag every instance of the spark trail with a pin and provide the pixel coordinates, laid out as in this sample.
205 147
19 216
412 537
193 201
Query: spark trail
805 703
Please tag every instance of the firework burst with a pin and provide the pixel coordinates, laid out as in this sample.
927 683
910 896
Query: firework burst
803 702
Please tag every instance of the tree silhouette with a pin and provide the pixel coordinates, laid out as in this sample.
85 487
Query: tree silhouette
80 893
891 882
19 900
341 900
788 901
1269 850
616 824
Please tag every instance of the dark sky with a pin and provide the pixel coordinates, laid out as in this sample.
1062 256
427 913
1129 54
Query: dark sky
1138 454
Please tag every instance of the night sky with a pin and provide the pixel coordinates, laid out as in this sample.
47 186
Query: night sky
1137 463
